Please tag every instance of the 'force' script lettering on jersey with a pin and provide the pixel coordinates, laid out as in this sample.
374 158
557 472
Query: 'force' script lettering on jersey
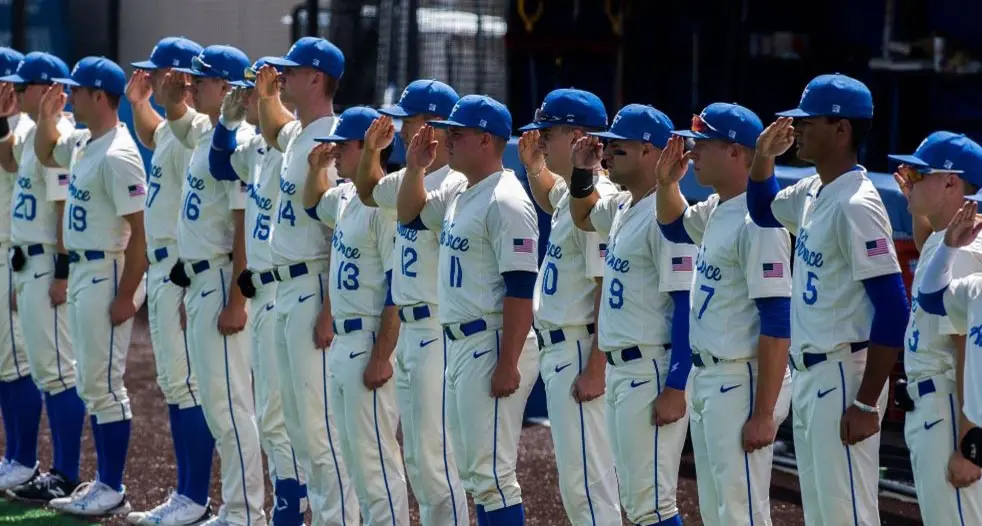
615 263
264 203
76 192
409 234
286 186
710 272
458 243
341 248
195 183
554 251
810 258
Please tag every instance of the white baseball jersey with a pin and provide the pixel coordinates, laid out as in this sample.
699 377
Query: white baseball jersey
168 167
258 166
928 347
564 288
843 237
34 219
416 251
642 268
963 303
20 125
487 229
737 263
298 237
362 244
107 182
206 228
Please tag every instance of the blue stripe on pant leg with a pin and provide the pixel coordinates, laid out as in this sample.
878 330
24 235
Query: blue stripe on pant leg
61 377
327 421
586 471
231 406
112 340
443 429
954 434
658 392
746 456
381 456
10 319
852 483
187 363
494 450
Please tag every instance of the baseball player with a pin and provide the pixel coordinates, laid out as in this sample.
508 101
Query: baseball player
211 245
193 443
300 248
366 322
20 399
567 290
421 355
487 269
103 232
645 338
848 298
739 320
258 166
936 178
40 265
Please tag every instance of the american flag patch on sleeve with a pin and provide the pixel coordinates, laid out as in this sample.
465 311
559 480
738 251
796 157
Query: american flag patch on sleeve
522 245
63 179
137 189
682 264
773 270
603 250
877 247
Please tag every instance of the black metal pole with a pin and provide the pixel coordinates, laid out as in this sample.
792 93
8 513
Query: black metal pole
18 24
114 6
412 42
313 10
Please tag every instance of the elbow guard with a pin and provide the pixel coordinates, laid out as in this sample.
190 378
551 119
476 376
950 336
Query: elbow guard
760 195
890 309
223 143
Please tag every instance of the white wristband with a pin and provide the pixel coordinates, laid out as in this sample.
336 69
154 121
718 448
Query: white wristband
937 274
865 408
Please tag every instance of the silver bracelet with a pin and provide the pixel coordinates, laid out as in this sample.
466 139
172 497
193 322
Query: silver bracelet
865 408
536 174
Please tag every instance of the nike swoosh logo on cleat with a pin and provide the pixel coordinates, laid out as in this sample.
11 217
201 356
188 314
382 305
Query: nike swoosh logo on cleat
96 281
305 298
282 504
929 425
480 354
205 293
821 393
356 354
269 306
635 383
424 343
726 389
40 274
559 368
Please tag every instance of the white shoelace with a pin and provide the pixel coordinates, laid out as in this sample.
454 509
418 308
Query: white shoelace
82 492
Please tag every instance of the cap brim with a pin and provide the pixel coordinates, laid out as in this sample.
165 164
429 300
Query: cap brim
333 138
446 124
689 134
538 126
144 64
397 112
608 135
797 112
909 159
974 197
66 82
194 73
282 62
13 79
243 83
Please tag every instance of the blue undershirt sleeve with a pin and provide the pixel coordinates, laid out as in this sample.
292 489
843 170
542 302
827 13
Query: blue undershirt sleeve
416 224
675 231
519 283
775 317
223 144
890 309
388 289
681 361
760 195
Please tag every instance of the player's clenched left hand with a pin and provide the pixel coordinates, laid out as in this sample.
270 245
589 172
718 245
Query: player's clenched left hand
58 292
377 372
120 310
324 330
588 387
759 432
232 319
505 380
858 425
962 472
669 407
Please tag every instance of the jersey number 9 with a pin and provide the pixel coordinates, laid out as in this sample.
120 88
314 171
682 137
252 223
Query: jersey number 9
616 293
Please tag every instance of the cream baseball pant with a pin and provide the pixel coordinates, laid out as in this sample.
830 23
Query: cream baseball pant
367 421
171 352
266 384
100 348
224 366
647 457
931 435
427 420
13 356
839 483
488 428
734 486
305 385
49 345
587 481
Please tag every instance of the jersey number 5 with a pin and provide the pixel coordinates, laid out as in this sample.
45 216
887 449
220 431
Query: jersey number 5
811 292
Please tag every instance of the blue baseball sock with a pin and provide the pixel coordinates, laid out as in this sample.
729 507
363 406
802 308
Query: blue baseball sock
26 400
9 417
482 516
286 505
112 456
513 515
200 448
180 451
66 415
99 445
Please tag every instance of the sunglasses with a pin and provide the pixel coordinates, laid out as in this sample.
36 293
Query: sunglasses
914 174
22 87
200 66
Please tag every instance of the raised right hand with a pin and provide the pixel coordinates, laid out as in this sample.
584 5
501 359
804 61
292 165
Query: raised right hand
52 102
320 157
776 138
139 89
587 152
8 99
673 162
268 82
529 152
234 106
380 134
174 87
422 149
964 226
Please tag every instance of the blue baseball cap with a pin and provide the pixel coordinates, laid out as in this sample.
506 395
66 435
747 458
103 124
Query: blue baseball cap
96 73
313 52
834 96
224 62
569 106
424 96
726 122
249 75
944 151
638 122
38 67
480 112
170 52
10 59
351 125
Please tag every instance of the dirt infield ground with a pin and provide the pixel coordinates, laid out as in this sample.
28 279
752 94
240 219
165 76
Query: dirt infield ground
150 468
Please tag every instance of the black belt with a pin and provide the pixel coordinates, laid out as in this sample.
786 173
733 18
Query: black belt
629 354
76 256
697 360
419 312
159 254
925 387
469 328
810 359
349 325
36 249
558 335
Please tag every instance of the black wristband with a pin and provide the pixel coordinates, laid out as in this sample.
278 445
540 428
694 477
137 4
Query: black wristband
581 183
4 127
971 446
61 266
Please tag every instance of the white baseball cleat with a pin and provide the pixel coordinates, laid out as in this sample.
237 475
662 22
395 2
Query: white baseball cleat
93 499
177 510
13 474
219 519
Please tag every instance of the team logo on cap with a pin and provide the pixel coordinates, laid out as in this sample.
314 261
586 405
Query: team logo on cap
732 134
646 136
836 108
804 94
484 123
317 62
431 107
176 62
948 164
616 118
44 76
98 83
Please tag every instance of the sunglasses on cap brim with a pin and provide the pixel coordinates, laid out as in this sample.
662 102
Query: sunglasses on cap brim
915 174
200 66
